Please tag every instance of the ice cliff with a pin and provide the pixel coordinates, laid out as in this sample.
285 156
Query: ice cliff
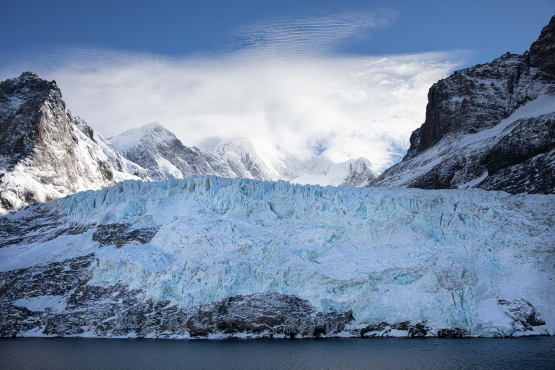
211 257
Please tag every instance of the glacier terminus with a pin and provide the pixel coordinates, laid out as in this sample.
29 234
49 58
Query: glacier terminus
210 257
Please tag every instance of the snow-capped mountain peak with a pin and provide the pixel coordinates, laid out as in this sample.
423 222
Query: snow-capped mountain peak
153 132
43 153
241 156
351 173
157 149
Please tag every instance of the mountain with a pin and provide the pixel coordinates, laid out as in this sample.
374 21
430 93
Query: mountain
490 126
360 172
164 156
244 161
211 257
124 169
154 147
304 169
352 173
45 151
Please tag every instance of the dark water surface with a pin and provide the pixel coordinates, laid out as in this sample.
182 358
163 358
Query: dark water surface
370 353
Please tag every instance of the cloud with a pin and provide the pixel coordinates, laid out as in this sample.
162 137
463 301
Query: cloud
284 87
307 36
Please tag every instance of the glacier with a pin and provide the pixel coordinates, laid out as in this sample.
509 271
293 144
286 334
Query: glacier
194 258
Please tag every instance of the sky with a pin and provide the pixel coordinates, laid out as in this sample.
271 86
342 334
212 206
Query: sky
342 79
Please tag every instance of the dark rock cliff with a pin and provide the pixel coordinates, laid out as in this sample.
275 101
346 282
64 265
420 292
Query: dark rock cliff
472 101
478 98
542 52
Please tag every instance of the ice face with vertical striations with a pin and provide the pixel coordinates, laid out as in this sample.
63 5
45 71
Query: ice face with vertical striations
213 257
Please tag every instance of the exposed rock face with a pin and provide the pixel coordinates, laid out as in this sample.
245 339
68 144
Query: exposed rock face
542 52
524 160
480 97
211 257
22 102
71 307
43 154
266 314
470 104
121 234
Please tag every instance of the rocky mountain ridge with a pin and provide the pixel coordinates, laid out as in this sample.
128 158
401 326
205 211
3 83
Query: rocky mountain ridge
45 151
447 152
157 149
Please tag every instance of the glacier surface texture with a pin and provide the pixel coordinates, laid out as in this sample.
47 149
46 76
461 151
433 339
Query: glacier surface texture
211 257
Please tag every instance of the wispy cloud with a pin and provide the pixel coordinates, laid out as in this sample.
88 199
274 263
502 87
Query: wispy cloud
308 36
282 86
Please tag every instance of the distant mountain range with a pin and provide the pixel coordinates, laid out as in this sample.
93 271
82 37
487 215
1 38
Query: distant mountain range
159 151
46 152
491 126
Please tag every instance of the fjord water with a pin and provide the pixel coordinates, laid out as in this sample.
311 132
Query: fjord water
368 353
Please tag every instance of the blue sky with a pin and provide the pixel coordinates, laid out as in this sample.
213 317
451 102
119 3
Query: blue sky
487 28
342 79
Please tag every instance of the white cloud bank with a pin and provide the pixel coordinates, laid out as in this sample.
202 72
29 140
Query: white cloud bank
285 88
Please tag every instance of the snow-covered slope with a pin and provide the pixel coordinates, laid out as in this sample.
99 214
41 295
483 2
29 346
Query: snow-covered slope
490 126
215 257
123 168
244 161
